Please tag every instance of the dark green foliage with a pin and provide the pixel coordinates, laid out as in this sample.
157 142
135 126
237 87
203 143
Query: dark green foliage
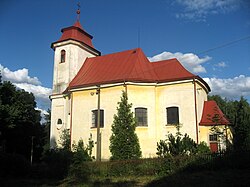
19 122
124 143
46 132
79 169
179 145
58 162
62 162
65 140
14 165
202 148
176 145
242 126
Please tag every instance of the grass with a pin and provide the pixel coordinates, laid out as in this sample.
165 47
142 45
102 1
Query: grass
229 170
228 177
223 177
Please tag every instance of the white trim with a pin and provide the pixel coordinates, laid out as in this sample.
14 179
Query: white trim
130 83
175 82
56 96
74 42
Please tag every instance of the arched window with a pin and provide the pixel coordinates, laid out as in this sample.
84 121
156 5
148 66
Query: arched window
63 55
172 115
141 116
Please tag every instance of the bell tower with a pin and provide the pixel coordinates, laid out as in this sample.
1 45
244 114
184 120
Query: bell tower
71 50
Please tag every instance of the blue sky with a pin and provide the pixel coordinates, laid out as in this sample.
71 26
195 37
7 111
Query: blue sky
210 38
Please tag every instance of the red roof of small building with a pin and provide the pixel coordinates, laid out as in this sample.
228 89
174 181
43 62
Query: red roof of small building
212 115
131 65
76 32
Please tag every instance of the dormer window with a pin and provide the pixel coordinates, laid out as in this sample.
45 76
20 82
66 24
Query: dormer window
63 54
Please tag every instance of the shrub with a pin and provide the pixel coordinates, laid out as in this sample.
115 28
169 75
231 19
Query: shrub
14 165
79 169
58 162
202 148
180 145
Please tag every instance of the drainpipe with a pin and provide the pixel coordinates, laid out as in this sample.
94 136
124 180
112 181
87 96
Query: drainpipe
195 110
98 141
71 115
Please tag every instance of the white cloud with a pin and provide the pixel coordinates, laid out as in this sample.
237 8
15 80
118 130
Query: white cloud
199 9
18 76
41 93
232 88
189 60
21 79
43 113
221 64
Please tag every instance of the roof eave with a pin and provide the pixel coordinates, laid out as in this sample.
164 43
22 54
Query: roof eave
86 45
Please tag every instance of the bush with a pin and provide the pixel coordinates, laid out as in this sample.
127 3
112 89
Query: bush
13 165
58 162
140 167
79 169
180 145
202 148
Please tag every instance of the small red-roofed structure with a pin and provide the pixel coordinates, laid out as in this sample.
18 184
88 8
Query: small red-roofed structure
213 122
212 115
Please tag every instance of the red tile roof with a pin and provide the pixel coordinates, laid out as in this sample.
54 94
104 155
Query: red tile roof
131 65
170 70
212 115
76 32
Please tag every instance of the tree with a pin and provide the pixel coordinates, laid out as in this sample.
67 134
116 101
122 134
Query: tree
124 143
46 131
19 121
241 127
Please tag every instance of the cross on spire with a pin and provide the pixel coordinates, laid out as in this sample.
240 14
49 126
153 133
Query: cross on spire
78 11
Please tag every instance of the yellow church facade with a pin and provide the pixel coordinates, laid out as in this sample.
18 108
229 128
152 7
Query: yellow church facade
162 94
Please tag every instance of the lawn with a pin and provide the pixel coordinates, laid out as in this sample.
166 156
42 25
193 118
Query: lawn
224 177
226 170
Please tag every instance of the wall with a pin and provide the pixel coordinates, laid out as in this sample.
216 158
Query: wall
65 72
155 98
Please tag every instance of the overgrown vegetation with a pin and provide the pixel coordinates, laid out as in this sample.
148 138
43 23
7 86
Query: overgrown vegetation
180 145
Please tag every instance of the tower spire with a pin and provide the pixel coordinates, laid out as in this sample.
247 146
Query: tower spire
78 11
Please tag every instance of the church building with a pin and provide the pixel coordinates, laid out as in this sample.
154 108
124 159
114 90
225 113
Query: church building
162 94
